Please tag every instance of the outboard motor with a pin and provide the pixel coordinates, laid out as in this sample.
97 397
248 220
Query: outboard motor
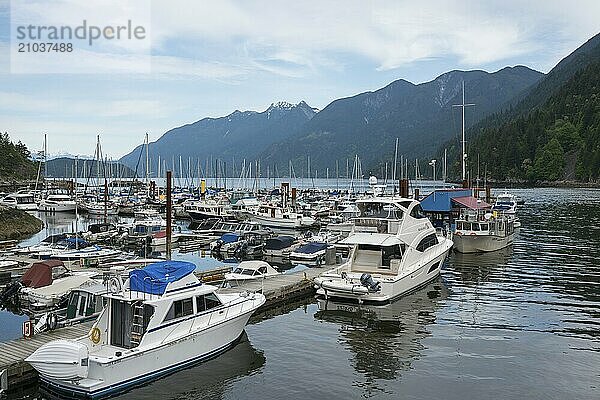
368 282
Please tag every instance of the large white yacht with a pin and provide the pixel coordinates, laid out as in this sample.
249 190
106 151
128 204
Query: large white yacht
21 200
395 250
161 319
57 203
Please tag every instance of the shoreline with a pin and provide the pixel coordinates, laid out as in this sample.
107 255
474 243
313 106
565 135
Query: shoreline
18 224
539 185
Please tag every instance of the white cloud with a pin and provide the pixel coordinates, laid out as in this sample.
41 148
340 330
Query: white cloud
389 33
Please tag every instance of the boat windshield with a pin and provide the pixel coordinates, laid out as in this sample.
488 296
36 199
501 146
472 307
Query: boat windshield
379 210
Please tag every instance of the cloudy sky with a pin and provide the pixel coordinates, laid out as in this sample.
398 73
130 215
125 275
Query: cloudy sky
209 58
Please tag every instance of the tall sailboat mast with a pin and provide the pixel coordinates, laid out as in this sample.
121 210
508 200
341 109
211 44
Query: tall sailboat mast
463 141
45 162
147 165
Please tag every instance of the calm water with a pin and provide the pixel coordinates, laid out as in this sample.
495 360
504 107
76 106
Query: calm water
520 323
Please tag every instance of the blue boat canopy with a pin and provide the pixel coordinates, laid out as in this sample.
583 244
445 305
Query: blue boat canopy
311 247
76 242
230 237
279 243
154 278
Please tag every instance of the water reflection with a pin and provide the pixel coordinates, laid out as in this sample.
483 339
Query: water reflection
208 380
476 268
385 340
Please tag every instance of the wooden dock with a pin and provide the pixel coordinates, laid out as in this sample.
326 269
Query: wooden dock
279 290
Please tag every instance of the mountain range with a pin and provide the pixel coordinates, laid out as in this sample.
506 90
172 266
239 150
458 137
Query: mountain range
553 132
237 136
421 116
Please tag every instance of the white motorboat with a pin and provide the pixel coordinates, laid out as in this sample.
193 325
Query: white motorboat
144 229
311 253
46 297
161 319
57 203
160 238
84 303
505 203
100 232
395 250
46 244
249 270
21 200
481 231
199 210
278 217
280 246
100 208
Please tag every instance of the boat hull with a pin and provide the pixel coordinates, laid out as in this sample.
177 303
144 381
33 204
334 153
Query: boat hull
481 243
58 207
390 290
109 378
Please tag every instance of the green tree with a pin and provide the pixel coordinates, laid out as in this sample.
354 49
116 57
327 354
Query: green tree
549 162
566 133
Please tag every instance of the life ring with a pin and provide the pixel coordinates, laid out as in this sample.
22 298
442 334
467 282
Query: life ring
115 285
95 335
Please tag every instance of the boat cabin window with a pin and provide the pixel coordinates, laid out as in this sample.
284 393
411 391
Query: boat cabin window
262 270
207 302
475 227
427 242
485 227
237 271
378 210
417 212
390 253
370 247
247 272
180 308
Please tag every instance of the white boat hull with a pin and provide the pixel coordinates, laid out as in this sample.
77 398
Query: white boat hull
57 207
481 243
391 288
105 379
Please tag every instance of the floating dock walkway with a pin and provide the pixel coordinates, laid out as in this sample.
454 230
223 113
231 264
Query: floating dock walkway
279 289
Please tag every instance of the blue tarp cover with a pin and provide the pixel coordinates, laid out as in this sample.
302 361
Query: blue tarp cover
230 237
311 247
76 242
154 278
279 243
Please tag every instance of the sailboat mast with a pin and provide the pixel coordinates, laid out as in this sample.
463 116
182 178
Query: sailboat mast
147 165
45 161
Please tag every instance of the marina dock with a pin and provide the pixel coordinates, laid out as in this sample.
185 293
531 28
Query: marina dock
278 290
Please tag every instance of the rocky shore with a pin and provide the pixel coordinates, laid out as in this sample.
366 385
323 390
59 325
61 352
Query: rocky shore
17 224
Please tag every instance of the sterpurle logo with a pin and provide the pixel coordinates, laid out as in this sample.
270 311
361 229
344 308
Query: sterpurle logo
85 31
66 36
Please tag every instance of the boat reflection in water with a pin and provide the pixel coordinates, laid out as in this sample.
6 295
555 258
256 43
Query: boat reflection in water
477 268
385 339
204 381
